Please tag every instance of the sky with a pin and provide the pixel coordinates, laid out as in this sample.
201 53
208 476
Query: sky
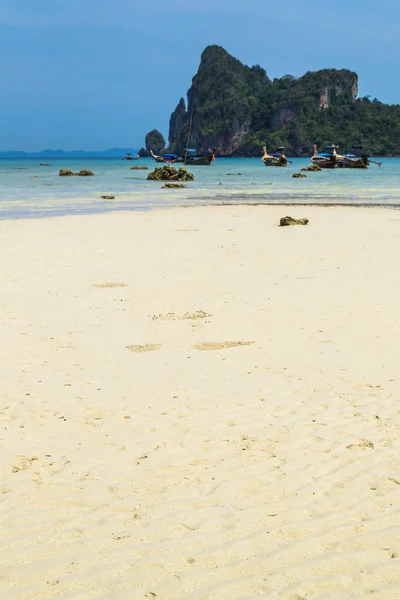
95 74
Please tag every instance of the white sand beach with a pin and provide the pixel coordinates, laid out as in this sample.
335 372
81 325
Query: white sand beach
197 404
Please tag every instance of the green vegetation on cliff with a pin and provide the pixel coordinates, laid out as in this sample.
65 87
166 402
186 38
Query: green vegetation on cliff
237 110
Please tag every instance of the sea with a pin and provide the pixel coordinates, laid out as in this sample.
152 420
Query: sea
29 190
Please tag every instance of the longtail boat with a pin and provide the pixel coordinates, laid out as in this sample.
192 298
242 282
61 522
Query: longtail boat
358 159
191 158
166 158
276 158
328 158
129 156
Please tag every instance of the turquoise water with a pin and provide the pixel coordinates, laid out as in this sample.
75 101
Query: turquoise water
29 190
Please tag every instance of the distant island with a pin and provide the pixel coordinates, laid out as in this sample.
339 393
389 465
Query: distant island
110 153
238 109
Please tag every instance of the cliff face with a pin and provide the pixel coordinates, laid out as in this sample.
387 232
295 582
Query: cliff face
155 141
177 122
282 116
237 109
218 104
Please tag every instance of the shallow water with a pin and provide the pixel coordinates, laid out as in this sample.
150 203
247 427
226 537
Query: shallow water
30 190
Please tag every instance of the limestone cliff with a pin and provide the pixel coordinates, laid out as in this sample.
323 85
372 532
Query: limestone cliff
155 141
237 109
177 122
218 110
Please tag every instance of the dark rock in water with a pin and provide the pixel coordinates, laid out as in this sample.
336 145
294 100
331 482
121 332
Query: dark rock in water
312 168
137 168
84 173
155 141
68 173
285 221
108 197
298 176
143 153
44 165
173 185
169 173
232 174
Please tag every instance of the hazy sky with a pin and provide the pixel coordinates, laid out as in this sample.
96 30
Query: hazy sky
93 74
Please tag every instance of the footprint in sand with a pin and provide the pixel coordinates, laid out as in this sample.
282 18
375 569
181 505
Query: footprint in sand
94 419
364 445
109 285
220 345
199 314
24 463
165 317
144 348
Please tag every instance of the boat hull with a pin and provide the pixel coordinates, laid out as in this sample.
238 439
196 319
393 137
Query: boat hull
168 159
168 162
356 164
328 164
201 161
276 163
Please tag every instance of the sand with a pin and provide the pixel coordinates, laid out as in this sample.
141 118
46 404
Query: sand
198 404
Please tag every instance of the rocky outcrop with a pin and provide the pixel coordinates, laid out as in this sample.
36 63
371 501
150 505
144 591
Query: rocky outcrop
176 124
298 176
311 168
286 221
354 88
155 141
137 168
169 173
68 173
84 173
169 186
143 153
336 88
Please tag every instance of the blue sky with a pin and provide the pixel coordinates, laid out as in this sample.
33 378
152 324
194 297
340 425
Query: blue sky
93 74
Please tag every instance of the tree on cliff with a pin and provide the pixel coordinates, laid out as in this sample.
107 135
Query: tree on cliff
155 141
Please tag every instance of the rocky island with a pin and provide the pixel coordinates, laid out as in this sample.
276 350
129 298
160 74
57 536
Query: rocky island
238 109
154 142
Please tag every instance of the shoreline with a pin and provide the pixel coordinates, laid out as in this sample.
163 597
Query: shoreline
217 156
141 210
